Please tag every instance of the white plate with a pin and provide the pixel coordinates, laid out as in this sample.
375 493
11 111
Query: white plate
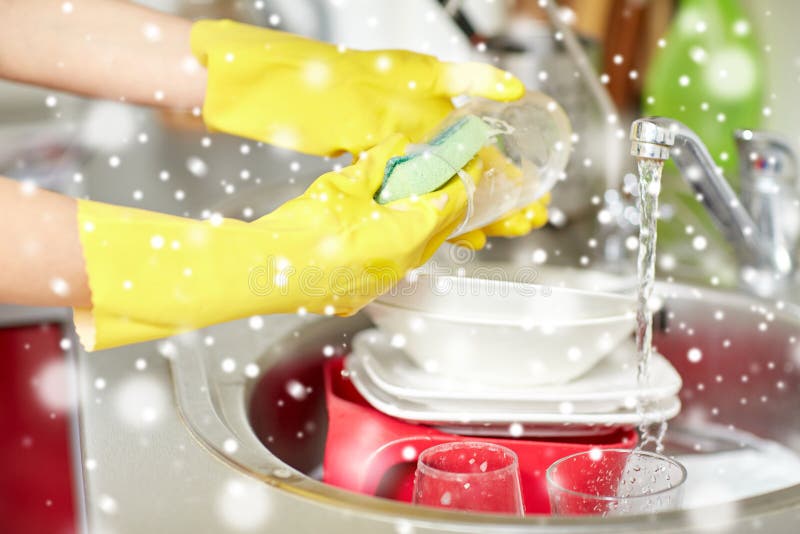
478 412
610 384
540 431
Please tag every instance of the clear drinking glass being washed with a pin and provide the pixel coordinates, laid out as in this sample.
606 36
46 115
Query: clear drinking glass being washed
473 476
533 136
612 482
524 146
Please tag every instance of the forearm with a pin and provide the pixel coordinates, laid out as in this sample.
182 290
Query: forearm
101 48
41 263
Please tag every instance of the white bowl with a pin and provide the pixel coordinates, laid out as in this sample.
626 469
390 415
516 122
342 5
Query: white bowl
501 332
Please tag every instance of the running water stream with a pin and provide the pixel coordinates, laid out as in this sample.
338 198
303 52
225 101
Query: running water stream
649 188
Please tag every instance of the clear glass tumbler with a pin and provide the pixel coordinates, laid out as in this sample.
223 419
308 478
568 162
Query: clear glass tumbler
611 482
525 147
469 475
532 144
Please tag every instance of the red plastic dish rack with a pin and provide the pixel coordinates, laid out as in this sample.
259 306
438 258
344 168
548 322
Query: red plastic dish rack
369 452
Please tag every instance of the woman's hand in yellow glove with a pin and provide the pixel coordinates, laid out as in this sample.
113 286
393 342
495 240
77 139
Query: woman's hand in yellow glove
344 249
321 99
331 251
515 224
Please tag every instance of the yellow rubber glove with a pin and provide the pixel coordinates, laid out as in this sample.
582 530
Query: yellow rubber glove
515 224
321 99
330 251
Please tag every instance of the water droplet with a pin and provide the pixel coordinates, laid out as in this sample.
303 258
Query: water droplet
282 472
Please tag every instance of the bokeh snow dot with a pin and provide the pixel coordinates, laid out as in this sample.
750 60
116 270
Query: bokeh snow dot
251 370
694 355
566 407
731 73
51 386
197 166
230 445
228 365
243 505
59 286
699 243
141 400
107 504
296 390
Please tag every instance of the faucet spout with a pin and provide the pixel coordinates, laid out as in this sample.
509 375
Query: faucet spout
663 138
652 138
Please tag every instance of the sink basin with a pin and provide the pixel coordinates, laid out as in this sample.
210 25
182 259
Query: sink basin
738 356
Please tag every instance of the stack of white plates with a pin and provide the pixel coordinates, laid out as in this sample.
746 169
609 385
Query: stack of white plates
601 399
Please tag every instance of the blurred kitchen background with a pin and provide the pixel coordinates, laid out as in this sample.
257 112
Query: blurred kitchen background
716 65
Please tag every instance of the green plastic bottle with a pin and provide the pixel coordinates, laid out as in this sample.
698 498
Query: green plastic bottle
709 75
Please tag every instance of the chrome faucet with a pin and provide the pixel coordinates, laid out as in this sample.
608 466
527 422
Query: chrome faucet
763 233
768 176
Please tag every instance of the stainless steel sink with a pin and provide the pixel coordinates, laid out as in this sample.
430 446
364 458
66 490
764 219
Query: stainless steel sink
744 389
231 414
